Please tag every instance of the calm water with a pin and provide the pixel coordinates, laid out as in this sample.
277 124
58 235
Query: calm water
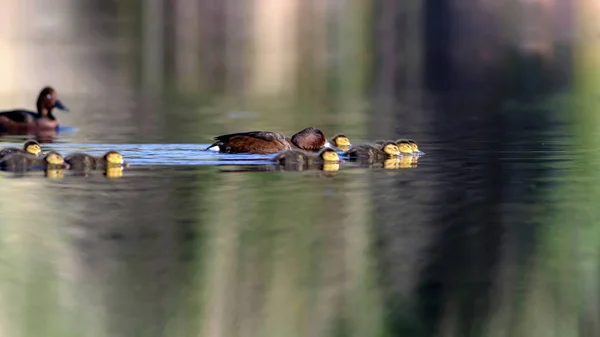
190 242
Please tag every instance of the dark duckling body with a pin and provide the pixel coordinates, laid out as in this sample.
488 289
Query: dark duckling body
42 119
304 159
266 142
83 162
30 147
26 162
373 152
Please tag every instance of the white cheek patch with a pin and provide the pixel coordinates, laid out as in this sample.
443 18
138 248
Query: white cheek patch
214 148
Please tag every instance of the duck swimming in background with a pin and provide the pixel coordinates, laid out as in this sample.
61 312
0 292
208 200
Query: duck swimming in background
341 142
30 147
42 119
265 142
21 162
373 152
83 162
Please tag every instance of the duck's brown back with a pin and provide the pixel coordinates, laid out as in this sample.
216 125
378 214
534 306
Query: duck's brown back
257 142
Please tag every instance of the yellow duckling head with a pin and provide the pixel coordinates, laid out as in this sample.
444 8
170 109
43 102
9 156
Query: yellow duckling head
33 147
404 146
114 158
54 159
413 145
340 140
390 148
329 155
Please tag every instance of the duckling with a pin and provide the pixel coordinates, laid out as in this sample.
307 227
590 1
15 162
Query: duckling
83 162
30 147
341 142
414 146
404 146
26 162
299 160
374 152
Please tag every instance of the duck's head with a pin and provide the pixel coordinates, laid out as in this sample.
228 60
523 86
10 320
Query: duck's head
54 159
329 155
404 146
114 159
390 148
340 141
309 139
33 147
48 100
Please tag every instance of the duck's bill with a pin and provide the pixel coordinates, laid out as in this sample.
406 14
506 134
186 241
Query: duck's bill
59 105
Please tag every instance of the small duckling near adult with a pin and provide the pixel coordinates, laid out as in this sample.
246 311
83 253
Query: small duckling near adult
30 147
373 152
341 142
21 162
405 147
84 162
414 147
298 160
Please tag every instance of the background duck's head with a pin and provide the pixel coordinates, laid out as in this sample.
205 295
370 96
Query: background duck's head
340 141
404 146
33 147
390 148
48 100
329 155
54 159
310 139
113 158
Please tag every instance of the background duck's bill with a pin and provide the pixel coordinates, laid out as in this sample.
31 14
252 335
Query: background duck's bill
59 105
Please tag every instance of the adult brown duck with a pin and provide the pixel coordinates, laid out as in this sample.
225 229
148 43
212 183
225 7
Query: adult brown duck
266 142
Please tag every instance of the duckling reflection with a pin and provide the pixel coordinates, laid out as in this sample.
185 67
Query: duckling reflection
29 147
54 173
84 162
400 162
113 172
341 142
20 162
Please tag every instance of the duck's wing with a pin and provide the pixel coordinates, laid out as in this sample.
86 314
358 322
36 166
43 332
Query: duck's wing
252 142
19 116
